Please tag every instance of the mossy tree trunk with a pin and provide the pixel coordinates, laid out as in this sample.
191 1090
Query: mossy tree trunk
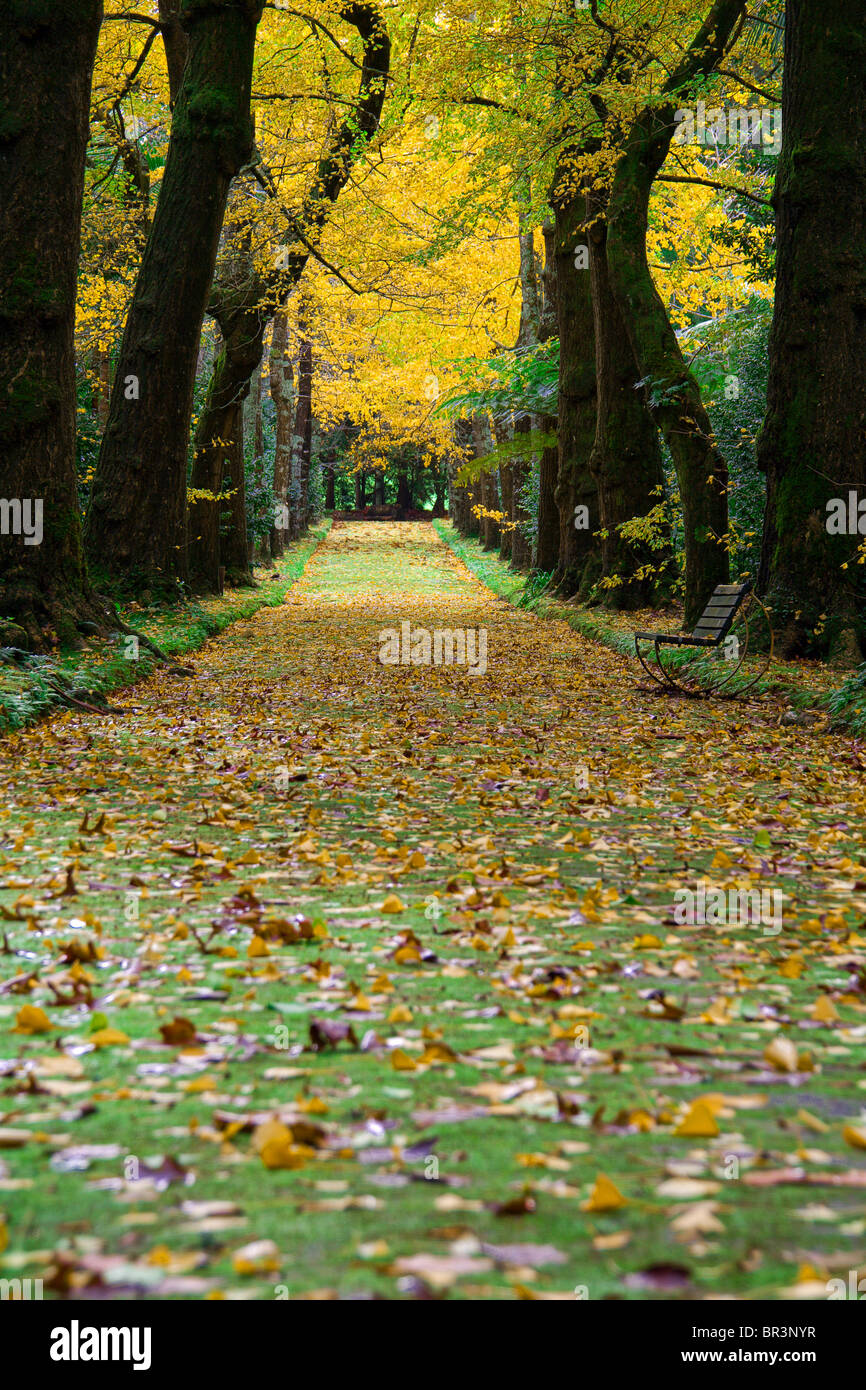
813 442
302 442
626 460
282 395
527 336
482 442
136 525
506 489
244 309
576 493
234 545
673 392
239 355
175 44
47 54
547 544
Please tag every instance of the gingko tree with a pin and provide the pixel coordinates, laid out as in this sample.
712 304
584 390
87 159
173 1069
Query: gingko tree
813 442
672 390
136 524
47 55
248 294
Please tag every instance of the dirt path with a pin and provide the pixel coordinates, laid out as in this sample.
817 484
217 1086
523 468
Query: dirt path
464 888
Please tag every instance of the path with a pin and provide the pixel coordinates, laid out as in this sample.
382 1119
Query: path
462 887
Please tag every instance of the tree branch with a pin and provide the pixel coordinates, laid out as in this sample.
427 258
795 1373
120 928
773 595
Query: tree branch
713 183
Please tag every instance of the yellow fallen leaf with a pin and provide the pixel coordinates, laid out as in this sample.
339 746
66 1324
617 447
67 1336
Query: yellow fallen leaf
855 1135
781 1054
805 1117
605 1196
257 947
400 1014
29 1019
698 1123
392 904
824 1010
718 1011
108 1037
401 1061
406 955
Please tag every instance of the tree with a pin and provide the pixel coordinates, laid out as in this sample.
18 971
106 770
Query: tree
547 544
47 54
576 493
673 392
244 305
813 442
136 524
626 460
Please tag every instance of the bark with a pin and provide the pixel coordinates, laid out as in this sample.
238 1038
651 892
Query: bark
244 308
673 392
360 491
458 493
46 66
547 544
404 492
330 499
234 546
302 442
813 442
506 485
530 316
482 443
440 486
136 525
379 489
626 460
175 44
282 395
579 552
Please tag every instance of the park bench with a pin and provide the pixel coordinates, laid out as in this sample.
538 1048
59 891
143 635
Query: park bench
726 604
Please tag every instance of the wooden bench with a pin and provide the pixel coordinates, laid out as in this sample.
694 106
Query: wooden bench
710 631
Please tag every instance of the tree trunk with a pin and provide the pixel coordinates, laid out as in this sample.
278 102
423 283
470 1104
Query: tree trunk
506 485
47 54
282 395
459 496
244 306
379 489
360 491
302 442
482 443
521 549
404 492
626 460
547 543
234 546
674 394
813 442
175 44
530 317
136 525
576 493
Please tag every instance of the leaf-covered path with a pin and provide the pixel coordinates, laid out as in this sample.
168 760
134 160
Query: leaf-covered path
327 976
